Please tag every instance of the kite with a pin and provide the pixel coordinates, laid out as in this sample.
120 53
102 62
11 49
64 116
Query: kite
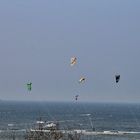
81 80
117 77
76 97
29 86
73 61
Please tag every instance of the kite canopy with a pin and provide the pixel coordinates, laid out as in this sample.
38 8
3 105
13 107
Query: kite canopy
29 86
82 79
117 77
73 61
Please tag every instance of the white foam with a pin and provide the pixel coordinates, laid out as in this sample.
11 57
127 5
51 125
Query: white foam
85 114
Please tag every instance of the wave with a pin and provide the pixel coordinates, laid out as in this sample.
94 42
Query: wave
85 115
108 132
83 132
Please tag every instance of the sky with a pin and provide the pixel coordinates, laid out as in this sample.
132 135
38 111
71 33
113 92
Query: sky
38 38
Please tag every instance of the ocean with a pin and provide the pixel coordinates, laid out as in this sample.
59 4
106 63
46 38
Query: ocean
15 117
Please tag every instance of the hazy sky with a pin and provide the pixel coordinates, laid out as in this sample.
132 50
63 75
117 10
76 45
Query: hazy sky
38 38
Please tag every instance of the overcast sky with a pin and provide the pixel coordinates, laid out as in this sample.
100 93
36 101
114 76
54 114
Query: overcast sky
38 38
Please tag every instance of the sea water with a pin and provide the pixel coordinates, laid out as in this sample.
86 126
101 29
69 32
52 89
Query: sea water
17 117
